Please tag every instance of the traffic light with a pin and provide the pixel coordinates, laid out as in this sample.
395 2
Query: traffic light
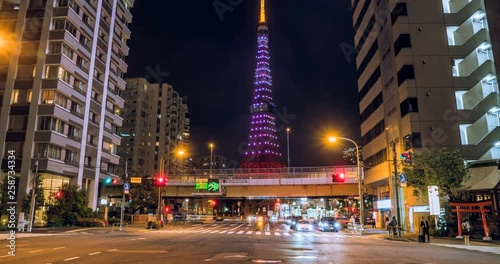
166 209
338 177
160 181
110 180
58 195
214 203
130 199
406 157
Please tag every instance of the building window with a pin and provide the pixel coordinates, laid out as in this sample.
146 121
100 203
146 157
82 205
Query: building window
15 97
412 141
29 96
409 105
376 159
47 123
407 72
48 96
403 41
71 157
50 151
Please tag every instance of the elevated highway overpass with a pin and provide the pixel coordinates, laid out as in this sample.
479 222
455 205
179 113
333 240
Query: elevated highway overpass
271 182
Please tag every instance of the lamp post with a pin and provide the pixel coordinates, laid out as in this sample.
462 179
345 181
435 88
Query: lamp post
359 178
211 145
288 145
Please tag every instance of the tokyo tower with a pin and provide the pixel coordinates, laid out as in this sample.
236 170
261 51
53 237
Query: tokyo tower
263 148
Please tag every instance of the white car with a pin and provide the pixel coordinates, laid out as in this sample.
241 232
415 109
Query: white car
304 225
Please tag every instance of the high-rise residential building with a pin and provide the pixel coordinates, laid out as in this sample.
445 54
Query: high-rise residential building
60 90
201 165
427 79
155 127
263 149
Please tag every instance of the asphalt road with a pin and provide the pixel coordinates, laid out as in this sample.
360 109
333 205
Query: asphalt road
236 243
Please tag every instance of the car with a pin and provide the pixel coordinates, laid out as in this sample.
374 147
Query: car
219 217
329 224
304 225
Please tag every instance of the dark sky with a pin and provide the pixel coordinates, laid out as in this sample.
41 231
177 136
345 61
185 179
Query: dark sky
212 61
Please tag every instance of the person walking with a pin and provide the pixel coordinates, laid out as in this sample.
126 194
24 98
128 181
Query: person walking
387 223
394 226
424 224
466 231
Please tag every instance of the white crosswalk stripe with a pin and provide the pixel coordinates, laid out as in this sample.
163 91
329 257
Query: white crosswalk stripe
240 232
258 233
249 232
268 233
230 232
286 234
277 233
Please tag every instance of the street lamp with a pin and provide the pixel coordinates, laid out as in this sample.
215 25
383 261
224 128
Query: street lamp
211 145
359 178
288 145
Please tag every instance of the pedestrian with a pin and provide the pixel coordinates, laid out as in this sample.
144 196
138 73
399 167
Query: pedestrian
424 224
466 231
387 226
394 224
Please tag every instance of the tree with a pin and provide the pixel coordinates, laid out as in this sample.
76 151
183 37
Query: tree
69 207
447 170
144 195
39 198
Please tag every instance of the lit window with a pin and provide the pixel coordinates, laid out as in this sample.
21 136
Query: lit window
15 97
29 96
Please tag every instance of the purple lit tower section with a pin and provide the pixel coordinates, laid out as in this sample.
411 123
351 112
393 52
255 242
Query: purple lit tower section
263 150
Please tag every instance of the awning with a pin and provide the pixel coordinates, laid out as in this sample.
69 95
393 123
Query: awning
482 178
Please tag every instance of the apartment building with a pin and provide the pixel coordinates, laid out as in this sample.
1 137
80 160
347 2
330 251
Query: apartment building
60 87
155 126
427 79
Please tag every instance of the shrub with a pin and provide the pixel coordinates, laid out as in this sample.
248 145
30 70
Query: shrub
55 222
113 221
91 222
155 224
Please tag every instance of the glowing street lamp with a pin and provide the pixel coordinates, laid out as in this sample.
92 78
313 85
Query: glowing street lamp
211 146
359 178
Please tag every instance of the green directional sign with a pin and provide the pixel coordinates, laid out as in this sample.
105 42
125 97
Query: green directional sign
213 185
201 185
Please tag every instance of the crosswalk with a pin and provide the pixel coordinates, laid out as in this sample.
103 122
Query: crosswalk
282 233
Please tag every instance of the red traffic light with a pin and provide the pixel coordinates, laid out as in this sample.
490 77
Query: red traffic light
338 177
115 181
166 209
160 181
58 194
213 203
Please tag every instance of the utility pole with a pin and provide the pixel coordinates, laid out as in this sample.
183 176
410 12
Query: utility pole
395 182
33 196
122 210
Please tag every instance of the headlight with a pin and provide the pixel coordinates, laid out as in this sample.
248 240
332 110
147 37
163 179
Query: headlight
293 223
336 224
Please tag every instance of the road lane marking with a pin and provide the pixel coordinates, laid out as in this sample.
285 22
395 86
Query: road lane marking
258 233
286 234
239 233
114 249
249 232
133 239
6 256
142 238
68 259
34 251
222 232
268 233
95 253
230 232
58 248
277 234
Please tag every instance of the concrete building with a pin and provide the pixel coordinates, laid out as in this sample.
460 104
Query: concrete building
155 125
427 79
60 86
202 164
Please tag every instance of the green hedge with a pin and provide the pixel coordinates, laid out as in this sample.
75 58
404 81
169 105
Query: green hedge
91 222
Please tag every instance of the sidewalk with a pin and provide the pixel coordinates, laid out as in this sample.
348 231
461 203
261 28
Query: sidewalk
413 237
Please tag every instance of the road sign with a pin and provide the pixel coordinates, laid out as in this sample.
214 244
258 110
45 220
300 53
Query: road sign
126 186
403 179
213 185
201 185
351 174
135 179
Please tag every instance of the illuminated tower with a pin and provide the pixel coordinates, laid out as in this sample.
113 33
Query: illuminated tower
263 148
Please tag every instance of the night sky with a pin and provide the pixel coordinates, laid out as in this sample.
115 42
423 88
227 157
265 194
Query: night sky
212 62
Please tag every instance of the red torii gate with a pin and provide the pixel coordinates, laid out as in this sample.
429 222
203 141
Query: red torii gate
470 207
